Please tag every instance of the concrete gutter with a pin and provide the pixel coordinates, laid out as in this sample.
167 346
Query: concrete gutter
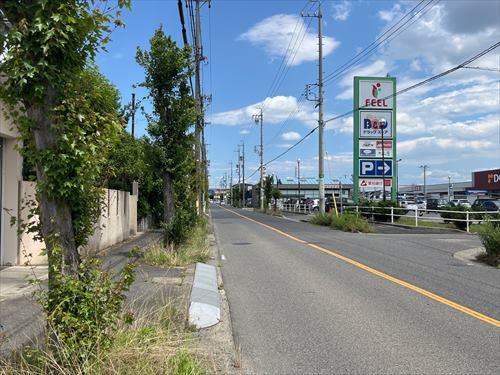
469 256
204 306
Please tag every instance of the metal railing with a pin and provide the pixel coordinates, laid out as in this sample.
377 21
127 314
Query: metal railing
470 217
297 208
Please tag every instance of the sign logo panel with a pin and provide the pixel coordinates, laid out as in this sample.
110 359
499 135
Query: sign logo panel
375 168
373 123
373 149
374 182
375 94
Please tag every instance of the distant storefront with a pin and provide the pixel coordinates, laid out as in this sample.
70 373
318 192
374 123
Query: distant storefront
487 181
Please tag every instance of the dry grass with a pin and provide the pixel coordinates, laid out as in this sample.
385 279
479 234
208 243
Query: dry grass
196 249
155 343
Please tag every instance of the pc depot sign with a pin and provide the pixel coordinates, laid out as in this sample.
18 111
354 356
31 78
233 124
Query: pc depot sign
375 135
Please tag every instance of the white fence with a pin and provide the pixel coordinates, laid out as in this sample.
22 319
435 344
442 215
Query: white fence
469 217
297 208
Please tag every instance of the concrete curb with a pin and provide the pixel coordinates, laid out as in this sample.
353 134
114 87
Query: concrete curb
204 305
469 256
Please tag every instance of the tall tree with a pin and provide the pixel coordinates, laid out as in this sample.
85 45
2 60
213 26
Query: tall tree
62 117
167 68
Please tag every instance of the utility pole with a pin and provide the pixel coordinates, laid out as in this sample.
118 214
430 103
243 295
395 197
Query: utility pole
243 195
239 172
231 182
298 178
133 114
321 174
424 167
197 147
260 118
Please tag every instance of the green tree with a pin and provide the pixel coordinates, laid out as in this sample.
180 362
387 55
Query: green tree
65 113
268 190
276 194
167 69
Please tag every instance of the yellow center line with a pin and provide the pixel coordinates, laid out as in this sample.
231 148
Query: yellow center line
383 275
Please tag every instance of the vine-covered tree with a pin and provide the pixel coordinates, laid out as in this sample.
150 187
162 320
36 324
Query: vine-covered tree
167 68
65 112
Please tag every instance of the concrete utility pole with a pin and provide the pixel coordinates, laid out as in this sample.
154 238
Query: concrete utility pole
321 174
239 172
260 118
298 178
243 197
133 114
424 167
197 147
231 182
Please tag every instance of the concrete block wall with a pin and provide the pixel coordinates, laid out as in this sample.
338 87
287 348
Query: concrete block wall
118 221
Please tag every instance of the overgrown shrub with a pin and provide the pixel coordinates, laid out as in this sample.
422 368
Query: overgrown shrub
324 219
483 216
350 223
459 213
83 311
490 237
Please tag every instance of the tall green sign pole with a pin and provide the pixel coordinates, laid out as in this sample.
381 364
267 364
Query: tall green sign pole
374 147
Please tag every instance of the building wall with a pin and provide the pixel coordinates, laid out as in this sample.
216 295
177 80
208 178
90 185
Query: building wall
11 170
118 221
11 175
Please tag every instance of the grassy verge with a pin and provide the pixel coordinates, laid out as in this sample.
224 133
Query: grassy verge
346 222
195 249
425 223
155 343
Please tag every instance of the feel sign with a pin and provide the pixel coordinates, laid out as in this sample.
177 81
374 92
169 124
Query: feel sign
377 168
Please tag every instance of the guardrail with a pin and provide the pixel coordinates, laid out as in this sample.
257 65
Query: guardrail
471 217
297 208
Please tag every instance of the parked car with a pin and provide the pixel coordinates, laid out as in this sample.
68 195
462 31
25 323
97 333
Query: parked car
488 205
436 203
460 202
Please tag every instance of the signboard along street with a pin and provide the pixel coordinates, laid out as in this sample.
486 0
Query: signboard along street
375 168
373 149
374 182
374 135
372 123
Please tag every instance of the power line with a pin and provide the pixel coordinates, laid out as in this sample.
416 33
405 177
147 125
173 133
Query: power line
372 48
421 83
285 55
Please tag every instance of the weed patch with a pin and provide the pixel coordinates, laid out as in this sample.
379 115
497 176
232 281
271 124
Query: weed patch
194 249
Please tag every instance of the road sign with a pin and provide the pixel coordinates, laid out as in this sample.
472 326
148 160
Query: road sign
375 168
372 123
373 149
374 182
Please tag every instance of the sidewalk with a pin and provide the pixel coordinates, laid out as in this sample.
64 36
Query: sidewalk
21 318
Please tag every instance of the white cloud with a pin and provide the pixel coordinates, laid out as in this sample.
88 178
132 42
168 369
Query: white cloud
290 136
440 37
341 10
244 131
274 33
276 110
389 15
375 68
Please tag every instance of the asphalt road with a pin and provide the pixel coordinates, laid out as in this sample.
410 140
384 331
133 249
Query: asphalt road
297 309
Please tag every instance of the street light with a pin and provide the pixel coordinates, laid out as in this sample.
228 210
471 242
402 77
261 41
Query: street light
397 179
298 177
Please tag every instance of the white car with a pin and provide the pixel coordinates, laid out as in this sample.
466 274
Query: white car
461 202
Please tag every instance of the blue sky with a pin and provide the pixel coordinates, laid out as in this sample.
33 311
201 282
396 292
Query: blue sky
452 124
